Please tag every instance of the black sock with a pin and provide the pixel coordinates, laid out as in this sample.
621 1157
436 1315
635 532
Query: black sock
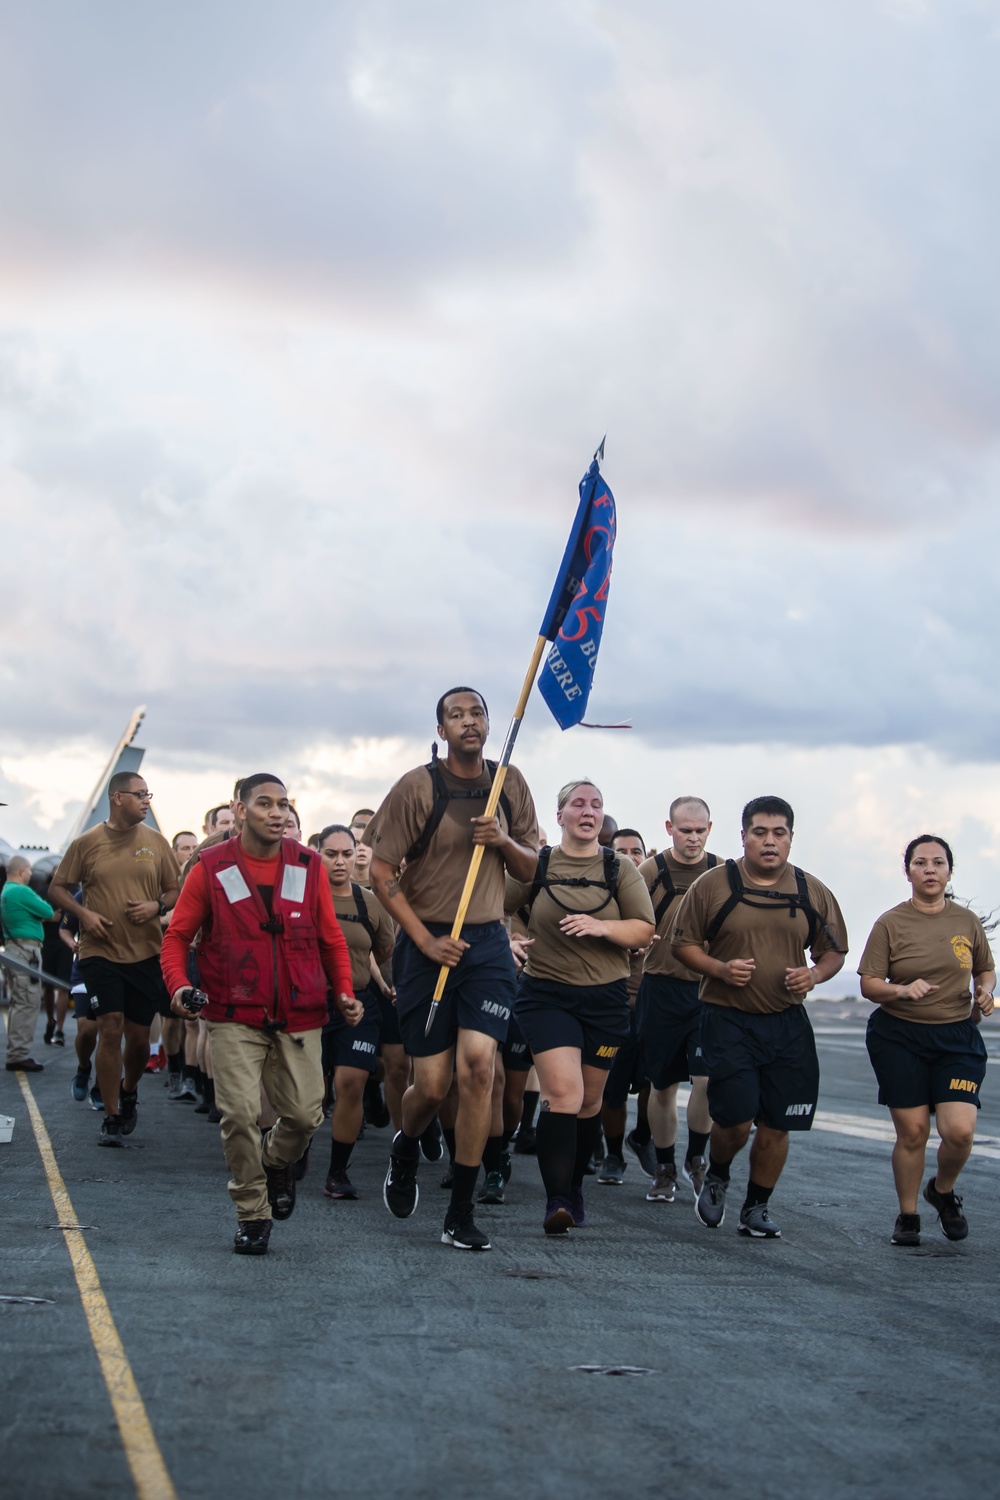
493 1154
616 1144
586 1138
756 1194
718 1169
448 1131
406 1146
209 1091
696 1145
340 1155
506 1138
556 1143
642 1133
190 1071
528 1109
665 1155
175 1061
463 1185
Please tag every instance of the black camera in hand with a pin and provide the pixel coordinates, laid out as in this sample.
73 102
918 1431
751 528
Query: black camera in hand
194 1000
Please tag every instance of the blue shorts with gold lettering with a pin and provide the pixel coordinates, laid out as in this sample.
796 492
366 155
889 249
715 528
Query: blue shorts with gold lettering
592 1017
919 1064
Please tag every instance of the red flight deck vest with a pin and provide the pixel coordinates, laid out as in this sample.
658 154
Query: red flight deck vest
259 970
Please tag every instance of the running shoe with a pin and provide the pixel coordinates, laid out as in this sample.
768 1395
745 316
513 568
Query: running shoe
577 1209
252 1237
214 1116
58 1039
96 1102
111 1132
524 1141
281 1190
907 1230
128 1107
78 1088
558 1216
49 1029
339 1185
172 1083
757 1223
189 1090
461 1231
431 1142
710 1204
664 1188
492 1189
646 1153
612 1173
948 1207
694 1171
400 1193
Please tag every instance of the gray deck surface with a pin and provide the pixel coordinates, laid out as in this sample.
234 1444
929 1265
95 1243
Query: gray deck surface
363 1358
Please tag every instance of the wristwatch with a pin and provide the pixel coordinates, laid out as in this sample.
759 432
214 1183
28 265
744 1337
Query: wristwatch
162 911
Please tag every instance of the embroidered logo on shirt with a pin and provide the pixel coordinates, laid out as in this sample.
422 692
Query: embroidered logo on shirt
144 852
963 952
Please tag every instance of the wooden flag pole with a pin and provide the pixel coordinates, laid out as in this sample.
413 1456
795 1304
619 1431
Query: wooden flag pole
491 807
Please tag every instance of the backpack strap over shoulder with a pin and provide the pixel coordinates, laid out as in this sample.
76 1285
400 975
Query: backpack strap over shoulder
362 912
763 900
442 796
609 882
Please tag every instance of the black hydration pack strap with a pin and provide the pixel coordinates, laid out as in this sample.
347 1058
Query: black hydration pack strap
541 882
442 796
664 880
770 901
362 913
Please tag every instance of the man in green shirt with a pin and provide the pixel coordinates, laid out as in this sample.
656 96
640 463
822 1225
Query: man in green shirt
22 913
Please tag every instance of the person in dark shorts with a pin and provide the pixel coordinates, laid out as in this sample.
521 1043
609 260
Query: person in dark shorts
668 1010
430 823
746 927
350 1053
587 907
130 880
924 1040
628 1073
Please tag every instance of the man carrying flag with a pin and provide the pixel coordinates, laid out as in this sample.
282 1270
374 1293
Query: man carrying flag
433 819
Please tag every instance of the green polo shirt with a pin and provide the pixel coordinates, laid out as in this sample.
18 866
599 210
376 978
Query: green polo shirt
22 912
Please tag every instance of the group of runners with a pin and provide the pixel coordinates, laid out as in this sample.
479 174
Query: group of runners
295 980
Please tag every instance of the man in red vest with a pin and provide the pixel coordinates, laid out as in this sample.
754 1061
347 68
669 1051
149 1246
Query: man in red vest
270 947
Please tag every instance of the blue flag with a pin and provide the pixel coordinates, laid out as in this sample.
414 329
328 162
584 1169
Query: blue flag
574 618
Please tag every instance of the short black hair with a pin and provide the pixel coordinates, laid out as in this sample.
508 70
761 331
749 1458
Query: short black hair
928 838
445 696
630 833
185 833
363 812
775 807
321 838
259 778
122 781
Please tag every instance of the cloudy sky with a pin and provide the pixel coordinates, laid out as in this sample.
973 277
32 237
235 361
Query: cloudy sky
311 318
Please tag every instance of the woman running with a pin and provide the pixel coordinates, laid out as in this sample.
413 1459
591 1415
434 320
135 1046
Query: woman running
924 1040
587 907
351 1053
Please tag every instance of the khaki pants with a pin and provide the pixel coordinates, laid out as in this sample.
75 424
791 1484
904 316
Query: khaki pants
292 1073
25 999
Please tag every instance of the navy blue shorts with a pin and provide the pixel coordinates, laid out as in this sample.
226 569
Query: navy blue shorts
135 990
760 1067
479 995
592 1017
668 1013
628 1072
388 1023
515 1051
353 1046
919 1064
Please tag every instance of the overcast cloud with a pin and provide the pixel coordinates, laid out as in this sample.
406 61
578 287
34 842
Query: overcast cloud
312 318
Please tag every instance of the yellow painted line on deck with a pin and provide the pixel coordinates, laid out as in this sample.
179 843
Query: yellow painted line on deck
149 1472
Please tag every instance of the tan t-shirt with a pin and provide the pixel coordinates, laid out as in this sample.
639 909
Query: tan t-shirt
579 960
946 948
772 936
659 959
359 944
113 868
433 882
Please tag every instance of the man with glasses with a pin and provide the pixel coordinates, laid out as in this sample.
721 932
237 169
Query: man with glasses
129 880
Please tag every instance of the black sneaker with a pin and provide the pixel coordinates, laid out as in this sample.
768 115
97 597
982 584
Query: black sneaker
400 1192
462 1233
524 1141
375 1110
431 1142
128 1106
493 1187
111 1132
252 1237
646 1153
907 1230
948 1207
339 1185
280 1190
577 1209
78 1088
